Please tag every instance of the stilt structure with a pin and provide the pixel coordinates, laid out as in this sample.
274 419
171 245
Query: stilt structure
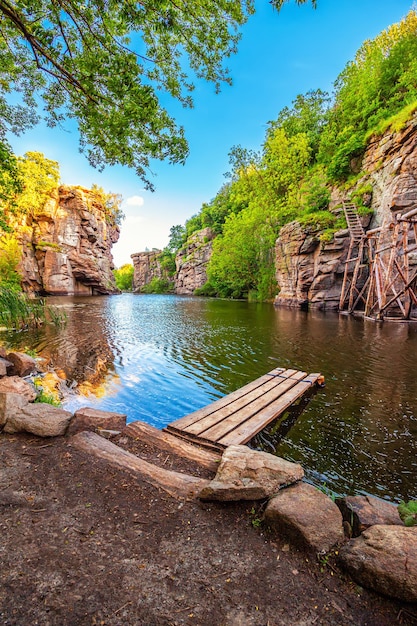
392 290
380 277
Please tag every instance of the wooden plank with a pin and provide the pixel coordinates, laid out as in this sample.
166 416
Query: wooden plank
273 386
176 484
254 425
215 433
187 420
165 441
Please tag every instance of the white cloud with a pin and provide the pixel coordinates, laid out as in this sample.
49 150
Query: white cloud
135 201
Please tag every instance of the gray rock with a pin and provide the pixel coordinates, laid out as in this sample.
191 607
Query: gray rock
15 384
11 404
384 558
361 512
39 419
5 367
95 420
246 474
23 364
307 517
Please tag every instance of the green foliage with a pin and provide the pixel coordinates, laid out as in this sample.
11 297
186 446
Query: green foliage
39 176
157 285
47 398
124 277
18 311
110 203
408 512
242 261
110 66
375 86
10 255
207 290
177 238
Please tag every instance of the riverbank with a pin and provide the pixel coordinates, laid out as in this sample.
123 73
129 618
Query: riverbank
85 543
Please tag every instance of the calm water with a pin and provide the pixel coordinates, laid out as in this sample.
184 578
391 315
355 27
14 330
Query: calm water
158 358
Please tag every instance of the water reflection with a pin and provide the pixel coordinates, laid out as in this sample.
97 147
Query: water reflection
161 357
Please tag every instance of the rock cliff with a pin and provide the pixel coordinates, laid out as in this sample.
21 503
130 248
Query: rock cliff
309 271
147 267
67 246
191 264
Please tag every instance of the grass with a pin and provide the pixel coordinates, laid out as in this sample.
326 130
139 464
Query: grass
17 311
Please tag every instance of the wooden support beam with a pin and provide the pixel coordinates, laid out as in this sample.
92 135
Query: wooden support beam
182 486
165 441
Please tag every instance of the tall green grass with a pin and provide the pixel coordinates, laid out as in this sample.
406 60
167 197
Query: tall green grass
17 311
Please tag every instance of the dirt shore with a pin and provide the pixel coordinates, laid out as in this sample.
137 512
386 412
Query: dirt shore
85 544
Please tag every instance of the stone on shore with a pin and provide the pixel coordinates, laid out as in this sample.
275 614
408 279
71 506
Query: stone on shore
361 512
43 420
96 420
11 405
246 474
15 384
5 367
384 558
23 364
308 517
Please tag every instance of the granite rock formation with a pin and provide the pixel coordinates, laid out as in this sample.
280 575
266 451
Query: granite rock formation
67 246
192 262
191 265
310 271
147 267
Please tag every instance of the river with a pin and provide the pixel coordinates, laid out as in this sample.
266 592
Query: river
157 358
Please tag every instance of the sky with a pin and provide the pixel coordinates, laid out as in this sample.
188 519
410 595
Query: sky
280 56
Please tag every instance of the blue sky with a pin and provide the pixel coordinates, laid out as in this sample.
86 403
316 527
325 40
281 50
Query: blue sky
280 56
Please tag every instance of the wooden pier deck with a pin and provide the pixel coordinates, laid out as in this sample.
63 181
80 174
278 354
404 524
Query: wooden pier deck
239 416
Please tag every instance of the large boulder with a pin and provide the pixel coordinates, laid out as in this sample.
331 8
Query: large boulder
96 420
23 364
5 367
15 384
39 419
11 405
361 512
307 517
384 558
246 474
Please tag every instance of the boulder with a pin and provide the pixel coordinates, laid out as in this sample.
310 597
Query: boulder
15 384
384 558
10 405
246 474
39 419
95 420
3 352
360 512
23 364
308 517
5 367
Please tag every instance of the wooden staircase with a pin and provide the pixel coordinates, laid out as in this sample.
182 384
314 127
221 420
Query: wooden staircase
353 221
356 265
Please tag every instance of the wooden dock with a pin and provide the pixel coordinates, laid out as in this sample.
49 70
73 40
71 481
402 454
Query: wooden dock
239 416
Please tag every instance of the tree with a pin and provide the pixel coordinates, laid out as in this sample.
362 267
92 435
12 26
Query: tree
124 277
109 65
278 4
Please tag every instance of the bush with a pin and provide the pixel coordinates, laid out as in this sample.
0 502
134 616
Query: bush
157 285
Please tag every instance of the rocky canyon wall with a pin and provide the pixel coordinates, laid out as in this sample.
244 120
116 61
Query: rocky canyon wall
309 271
191 265
67 245
192 262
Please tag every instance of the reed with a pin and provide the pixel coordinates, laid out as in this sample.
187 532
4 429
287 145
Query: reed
17 311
